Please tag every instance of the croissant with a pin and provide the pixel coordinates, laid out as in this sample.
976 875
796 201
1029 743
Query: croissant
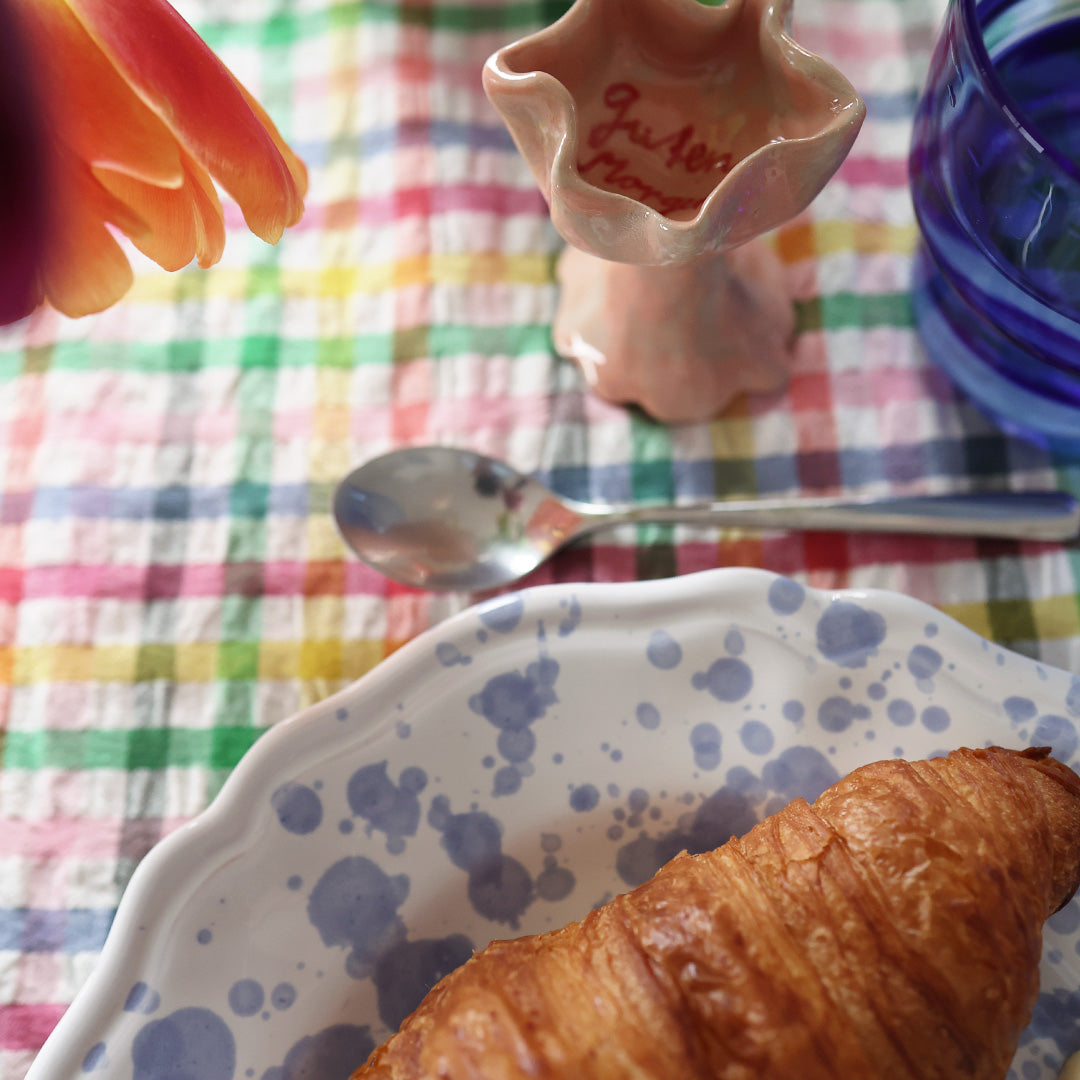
891 930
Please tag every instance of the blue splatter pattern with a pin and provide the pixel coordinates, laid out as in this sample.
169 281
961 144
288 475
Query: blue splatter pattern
187 1043
537 755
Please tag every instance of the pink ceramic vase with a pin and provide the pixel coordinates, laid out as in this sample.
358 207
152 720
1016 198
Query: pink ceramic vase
667 136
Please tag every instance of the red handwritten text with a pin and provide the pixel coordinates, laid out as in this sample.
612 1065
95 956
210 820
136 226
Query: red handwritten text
677 149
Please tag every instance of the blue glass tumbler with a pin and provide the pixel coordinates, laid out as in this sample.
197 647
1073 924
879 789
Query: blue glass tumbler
995 182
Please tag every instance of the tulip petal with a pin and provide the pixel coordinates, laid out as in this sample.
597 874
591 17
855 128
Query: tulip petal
174 224
91 107
174 72
209 217
85 268
297 169
169 236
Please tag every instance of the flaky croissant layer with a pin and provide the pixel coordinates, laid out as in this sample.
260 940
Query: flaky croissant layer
891 930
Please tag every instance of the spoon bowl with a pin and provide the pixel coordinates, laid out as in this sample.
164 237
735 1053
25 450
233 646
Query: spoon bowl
442 519
445 519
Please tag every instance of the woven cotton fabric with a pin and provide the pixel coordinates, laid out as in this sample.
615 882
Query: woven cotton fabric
171 582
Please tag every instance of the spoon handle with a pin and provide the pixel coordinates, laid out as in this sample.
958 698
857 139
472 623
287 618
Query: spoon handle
1019 515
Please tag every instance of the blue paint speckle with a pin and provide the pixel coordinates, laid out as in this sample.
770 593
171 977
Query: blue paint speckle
516 745
734 643
663 651
298 808
204 936
393 809
448 654
727 812
507 781
848 634
1056 1017
935 718
1020 709
900 712
191 1042
793 710
923 662
837 713
355 904
728 679
514 700
504 614
1072 697
584 797
283 996
799 772
413 780
554 882
705 741
94 1057
648 715
142 999
785 596
1057 732
1067 920
572 619
405 973
332 1054
756 737
500 888
246 997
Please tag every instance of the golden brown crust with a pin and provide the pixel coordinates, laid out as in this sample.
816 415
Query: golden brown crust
892 930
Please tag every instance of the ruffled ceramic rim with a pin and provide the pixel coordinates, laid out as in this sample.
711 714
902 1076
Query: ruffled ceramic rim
679 239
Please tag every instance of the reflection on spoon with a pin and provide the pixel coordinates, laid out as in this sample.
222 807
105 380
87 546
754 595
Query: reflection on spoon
441 518
417 551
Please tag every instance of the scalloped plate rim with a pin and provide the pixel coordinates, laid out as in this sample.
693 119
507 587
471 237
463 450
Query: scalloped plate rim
230 816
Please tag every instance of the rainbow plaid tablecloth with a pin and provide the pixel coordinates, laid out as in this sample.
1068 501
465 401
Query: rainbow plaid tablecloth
171 583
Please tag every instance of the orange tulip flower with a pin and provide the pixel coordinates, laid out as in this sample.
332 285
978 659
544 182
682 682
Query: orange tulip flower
137 118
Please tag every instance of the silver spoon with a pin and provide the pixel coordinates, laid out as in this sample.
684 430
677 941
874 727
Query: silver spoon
441 518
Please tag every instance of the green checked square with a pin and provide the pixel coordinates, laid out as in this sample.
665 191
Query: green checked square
155 662
238 660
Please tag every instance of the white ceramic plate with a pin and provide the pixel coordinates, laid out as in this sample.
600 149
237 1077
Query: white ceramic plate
503 774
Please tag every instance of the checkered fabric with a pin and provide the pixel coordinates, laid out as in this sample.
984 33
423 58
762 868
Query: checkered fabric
171 582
